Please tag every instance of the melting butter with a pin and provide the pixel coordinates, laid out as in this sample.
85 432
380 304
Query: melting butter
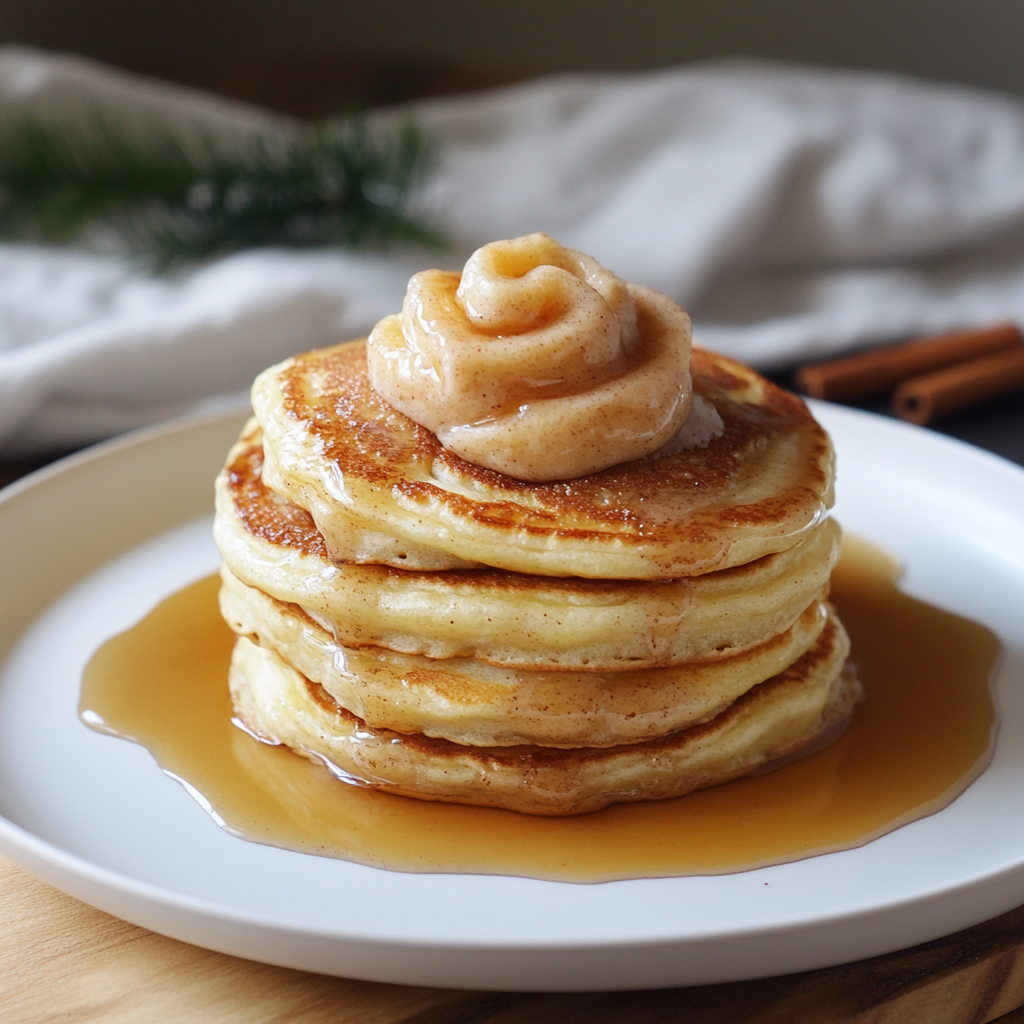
536 361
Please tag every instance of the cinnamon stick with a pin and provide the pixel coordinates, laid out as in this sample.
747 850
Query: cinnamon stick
874 373
922 399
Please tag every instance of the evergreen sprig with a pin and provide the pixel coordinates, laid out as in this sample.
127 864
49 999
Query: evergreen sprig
338 184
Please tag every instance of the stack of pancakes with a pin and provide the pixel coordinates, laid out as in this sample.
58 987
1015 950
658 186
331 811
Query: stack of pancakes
432 628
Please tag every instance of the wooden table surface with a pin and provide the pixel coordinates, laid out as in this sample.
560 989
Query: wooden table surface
62 962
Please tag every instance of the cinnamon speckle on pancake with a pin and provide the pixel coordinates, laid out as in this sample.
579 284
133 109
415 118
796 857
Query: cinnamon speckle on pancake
277 521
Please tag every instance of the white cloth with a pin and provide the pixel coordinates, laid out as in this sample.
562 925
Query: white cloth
795 212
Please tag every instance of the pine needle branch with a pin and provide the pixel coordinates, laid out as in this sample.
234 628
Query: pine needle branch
337 185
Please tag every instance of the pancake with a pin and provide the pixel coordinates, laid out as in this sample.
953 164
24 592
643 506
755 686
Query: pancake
383 490
793 712
469 702
510 619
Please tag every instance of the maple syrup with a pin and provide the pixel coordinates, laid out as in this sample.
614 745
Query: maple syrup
923 734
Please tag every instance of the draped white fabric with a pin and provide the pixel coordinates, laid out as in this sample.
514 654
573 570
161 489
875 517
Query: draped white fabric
795 212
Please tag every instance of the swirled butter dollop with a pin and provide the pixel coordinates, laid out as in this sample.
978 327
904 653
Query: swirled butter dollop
536 361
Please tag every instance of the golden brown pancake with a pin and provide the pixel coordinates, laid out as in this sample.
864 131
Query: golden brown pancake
382 489
510 619
802 706
467 701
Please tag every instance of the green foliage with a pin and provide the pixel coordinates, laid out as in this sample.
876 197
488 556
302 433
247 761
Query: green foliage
338 184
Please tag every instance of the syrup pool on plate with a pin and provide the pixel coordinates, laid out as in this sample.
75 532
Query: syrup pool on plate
922 735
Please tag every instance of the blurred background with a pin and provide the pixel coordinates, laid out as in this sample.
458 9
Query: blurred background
310 57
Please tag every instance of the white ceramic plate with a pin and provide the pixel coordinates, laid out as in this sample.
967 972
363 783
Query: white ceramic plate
89 545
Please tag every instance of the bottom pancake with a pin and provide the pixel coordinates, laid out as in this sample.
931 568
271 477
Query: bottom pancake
792 713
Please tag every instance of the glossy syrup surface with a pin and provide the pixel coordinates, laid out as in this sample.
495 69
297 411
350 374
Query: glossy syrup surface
921 736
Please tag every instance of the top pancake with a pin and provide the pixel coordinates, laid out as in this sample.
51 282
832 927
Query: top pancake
382 489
